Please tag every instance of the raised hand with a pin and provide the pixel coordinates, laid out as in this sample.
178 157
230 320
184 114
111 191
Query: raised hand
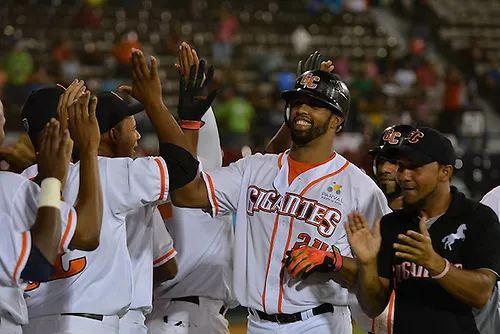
194 99
83 124
327 66
146 85
55 153
187 58
74 91
365 243
312 63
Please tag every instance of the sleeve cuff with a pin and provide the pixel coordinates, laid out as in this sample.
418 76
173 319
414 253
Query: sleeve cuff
214 212
163 179
165 258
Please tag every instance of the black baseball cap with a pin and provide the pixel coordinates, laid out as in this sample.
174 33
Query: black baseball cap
40 107
112 109
423 146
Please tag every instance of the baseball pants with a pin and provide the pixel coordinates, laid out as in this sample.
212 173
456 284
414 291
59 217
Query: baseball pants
185 317
338 322
133 322
9 327
68 324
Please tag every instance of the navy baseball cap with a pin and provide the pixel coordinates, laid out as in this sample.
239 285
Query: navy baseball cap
112 109
40 107
423 146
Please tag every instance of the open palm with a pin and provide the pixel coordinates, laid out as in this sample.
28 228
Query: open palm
365 244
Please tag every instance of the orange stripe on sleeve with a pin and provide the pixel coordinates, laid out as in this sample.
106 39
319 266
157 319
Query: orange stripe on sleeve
66 232
163 179
280 160
24 249
212 190
166 256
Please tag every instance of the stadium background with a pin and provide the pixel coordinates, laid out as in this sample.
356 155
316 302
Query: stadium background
416 62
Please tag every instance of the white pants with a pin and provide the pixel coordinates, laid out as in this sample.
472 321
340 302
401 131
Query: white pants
133 323
9 327
338 322
68 324
186 317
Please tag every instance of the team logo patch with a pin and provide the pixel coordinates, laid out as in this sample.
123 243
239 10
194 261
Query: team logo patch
450 239
310 81
391 136
335 188
415 136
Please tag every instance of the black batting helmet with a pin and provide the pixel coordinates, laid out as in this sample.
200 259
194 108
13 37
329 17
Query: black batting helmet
322 86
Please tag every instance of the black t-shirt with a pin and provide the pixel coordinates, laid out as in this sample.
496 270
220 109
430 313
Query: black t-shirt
468 236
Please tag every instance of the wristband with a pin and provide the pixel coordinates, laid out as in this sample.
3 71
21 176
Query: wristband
50 194
191 125
445 271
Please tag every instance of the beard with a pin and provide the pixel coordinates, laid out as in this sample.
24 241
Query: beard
302 138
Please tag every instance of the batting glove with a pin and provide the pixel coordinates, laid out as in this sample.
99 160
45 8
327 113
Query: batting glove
313 62
304 261
194 100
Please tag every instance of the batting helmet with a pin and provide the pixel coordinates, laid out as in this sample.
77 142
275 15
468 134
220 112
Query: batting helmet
322 86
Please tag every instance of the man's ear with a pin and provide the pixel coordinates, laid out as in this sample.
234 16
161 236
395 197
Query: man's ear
113 135
336 121
446 172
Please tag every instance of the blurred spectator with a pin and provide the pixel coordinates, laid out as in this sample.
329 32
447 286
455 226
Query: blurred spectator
301 40
357 6
39 77
285 80
122 50
315 6
235 115
449 119
174 37
18 65
87 17
390 87
267 62
342 67
371 68
405 77
427 75
61 51
70 68
362 83
493 77
223 46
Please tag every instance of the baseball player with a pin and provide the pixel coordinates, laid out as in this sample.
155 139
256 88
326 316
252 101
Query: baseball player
488 318
35 225
297 199
69 304
197 299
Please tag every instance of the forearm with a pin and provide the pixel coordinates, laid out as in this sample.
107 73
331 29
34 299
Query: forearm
46 232
191 137
372 296
348 274
166 126
192 195
471 287
89 203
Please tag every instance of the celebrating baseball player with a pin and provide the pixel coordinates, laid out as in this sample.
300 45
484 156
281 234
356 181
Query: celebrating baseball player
199 296
31 236
67 304
297 199
439 254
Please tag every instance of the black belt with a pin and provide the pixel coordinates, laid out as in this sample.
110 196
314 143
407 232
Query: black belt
288 318
195 300
98 317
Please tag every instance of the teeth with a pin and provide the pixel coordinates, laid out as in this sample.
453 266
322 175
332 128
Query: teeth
302 122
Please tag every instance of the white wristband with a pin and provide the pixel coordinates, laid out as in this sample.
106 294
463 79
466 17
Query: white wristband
50 195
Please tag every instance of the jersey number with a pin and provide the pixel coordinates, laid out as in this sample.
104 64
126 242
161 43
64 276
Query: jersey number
75 267
306 239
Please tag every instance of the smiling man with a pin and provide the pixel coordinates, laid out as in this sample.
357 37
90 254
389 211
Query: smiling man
440 254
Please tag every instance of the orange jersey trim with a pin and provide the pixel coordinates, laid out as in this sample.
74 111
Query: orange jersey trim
166 256
66 232
295 168
162 177
212 190
269 261
24 249
280 160
391 310
309 186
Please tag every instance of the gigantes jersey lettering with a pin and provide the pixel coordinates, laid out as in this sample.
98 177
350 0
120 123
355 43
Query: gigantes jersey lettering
273 216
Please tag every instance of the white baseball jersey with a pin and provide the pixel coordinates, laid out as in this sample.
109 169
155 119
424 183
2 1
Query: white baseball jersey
205 257
18 206
273 217
100 282
148 242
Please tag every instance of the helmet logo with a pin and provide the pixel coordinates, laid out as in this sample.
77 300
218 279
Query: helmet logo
309 81
391 136
415 136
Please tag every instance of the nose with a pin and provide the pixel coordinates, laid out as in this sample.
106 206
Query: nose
404 174
137 135
388 167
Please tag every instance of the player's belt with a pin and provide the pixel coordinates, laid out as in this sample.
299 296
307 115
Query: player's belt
196 300
97 317
283 318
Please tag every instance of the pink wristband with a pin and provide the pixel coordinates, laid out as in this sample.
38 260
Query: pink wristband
445 271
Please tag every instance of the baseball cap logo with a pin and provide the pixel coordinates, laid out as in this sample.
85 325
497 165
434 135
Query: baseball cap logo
415 136
391 136
309 80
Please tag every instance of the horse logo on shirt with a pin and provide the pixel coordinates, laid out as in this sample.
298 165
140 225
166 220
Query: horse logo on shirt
450 239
